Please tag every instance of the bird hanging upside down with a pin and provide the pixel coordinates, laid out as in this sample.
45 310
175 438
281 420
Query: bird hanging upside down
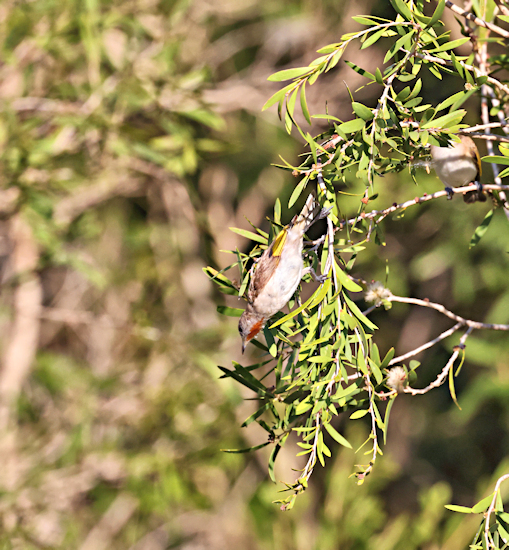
458 165
278 272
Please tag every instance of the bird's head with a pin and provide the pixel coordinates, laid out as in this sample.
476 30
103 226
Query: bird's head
250 324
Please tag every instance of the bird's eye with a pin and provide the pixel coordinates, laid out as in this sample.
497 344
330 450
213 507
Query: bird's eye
240 329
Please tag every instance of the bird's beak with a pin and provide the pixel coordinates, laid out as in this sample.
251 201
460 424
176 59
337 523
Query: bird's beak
244 344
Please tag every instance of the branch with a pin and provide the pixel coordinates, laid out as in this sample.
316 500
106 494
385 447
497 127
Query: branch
477 20
439 307
418 200
445 371
489 137
477 71
502 124
427 345
487 536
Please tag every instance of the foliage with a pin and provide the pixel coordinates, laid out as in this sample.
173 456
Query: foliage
325 361
131 138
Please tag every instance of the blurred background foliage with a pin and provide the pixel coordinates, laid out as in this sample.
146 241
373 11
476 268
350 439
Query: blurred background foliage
131 138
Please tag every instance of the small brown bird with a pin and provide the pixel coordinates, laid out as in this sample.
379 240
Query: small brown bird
458 165
278 272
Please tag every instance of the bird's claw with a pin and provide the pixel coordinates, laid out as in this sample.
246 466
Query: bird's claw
450 193
320 278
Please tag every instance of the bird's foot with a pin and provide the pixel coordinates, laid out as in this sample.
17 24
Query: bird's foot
450 193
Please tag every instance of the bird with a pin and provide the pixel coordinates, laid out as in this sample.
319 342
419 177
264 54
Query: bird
278 272
457 165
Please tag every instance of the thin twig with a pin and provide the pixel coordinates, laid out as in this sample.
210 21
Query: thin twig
427 345
478 127
445 371
439 307
487 536
476 70
490 137
418 200
477 20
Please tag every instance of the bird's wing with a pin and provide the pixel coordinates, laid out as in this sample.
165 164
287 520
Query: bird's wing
266 265
478 162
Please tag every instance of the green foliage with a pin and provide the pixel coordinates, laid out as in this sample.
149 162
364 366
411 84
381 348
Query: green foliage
325 360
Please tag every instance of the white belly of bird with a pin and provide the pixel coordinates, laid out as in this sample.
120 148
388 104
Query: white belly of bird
282 285
463 170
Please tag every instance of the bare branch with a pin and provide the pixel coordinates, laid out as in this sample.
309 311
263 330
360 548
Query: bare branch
427 345
418 200
477 20
439 307
478 72
445 371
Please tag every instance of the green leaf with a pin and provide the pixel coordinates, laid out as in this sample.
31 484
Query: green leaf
303 407
358 414
297 191
248 450
278 96
360 70
435 71
230 311
359 315
345 280
496 159
256 414
362 111
482 505
452 389
289 74
303 104
351 126
450 45
271 343
320 293
362 20
337 436
328 49
387 415
277 211
460 509
446 121
249 235
455 99
227 286
272 461
243 376
402 9
402 43
388 358
373 38
290 102
437 14
481 229
292 314
312 146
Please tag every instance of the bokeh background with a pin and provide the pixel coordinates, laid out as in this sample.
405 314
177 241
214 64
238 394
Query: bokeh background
131 139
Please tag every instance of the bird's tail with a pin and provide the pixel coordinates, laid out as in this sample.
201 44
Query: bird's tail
311 213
